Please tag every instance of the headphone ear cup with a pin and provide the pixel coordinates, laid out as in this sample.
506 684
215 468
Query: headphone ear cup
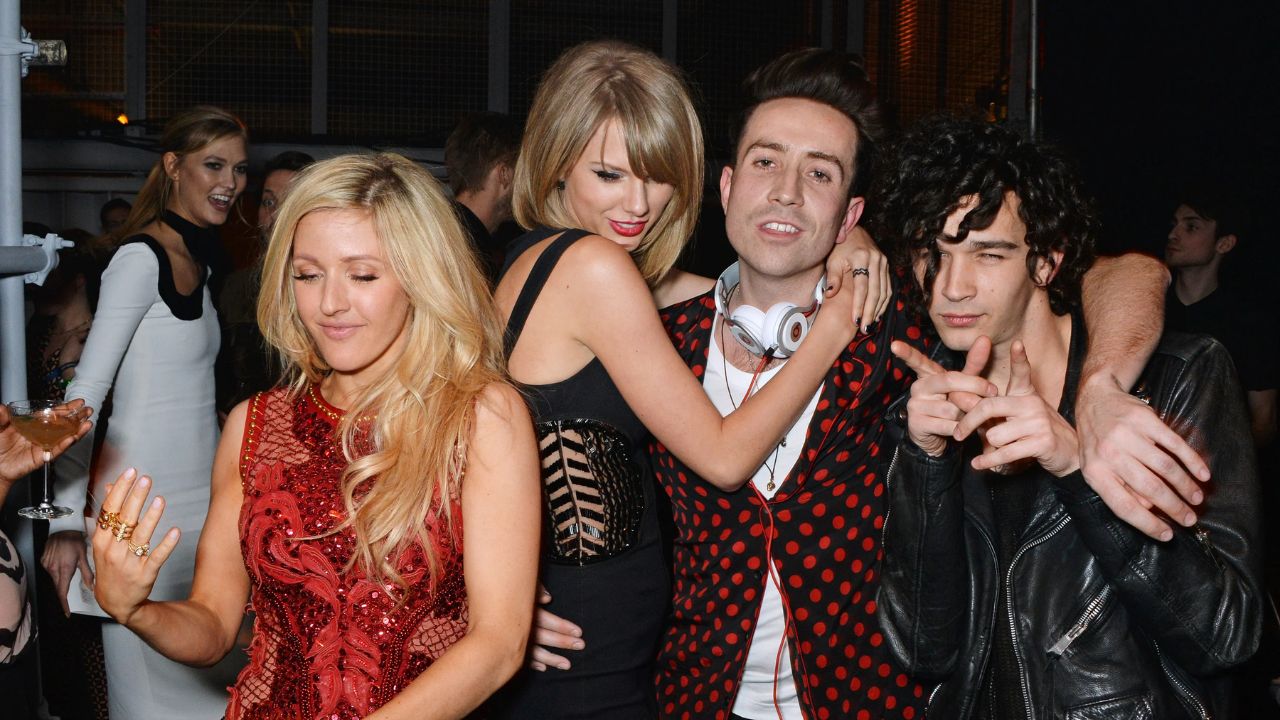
747 325
793 330
785 326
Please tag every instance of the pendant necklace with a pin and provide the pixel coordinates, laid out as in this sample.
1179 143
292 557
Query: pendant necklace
724 366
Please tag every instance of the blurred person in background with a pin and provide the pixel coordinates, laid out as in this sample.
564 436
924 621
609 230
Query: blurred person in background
152 346
18 672
480 156
244 363
113 215
74 678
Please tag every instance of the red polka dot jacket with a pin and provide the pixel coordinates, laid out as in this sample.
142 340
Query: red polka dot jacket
822 531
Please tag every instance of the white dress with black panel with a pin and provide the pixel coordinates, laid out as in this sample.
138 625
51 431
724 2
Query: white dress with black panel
154 350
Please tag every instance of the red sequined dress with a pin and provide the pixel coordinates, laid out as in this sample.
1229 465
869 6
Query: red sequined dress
327 643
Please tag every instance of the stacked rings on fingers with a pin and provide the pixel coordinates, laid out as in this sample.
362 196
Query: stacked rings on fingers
860 271
140 550
107 520
122 531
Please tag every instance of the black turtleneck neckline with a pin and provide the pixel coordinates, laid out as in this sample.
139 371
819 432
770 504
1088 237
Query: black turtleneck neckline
198 242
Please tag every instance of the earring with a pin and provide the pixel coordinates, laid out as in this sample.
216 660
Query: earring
559 184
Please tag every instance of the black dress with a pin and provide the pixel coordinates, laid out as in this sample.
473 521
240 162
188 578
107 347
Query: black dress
602 558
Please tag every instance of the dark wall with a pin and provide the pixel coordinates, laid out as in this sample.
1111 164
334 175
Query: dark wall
1150 96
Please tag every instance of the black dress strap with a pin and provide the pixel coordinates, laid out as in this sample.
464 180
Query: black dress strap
542 268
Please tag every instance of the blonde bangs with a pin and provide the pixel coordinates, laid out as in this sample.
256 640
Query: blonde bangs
410 479
663 137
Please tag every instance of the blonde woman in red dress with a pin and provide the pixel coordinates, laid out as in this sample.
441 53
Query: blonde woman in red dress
341 499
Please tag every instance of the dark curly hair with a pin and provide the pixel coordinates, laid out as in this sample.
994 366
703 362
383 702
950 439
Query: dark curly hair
946 159
824 76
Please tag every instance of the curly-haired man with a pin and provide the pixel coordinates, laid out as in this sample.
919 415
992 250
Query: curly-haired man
1006 577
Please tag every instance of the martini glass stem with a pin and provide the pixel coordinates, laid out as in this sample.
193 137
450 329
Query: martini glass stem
45 499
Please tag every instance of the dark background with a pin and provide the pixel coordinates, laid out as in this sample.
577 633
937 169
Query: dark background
1150 97
1147 96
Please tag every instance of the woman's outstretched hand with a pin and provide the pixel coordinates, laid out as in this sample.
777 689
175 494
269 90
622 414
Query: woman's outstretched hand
125 561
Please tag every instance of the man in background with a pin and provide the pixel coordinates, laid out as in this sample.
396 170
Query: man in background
1204 230
480 156
113 214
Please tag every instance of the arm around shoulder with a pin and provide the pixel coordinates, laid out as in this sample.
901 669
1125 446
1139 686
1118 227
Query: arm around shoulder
1200 594
1121 342
615 317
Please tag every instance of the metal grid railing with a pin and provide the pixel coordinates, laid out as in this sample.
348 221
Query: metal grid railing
720 44
541 30
252 57
931 55
90 89
406 70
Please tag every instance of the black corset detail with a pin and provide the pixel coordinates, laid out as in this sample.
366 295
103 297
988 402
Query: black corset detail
592 490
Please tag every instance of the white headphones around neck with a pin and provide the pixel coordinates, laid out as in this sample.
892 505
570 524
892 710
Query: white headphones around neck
778 331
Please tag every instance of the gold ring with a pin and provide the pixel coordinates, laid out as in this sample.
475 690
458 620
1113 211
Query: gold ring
140 550
107 519
122 531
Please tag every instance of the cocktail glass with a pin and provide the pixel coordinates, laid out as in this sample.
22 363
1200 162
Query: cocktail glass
45 423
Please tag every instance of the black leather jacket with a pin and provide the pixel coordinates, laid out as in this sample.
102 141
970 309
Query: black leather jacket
1107 622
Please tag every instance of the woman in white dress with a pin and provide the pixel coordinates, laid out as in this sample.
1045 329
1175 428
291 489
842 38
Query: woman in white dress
152 346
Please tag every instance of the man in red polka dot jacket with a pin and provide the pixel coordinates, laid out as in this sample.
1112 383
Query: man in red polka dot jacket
773 610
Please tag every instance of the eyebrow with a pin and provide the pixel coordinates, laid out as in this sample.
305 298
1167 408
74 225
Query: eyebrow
818 155
780 148
345 258
993 245
219 158
1189 216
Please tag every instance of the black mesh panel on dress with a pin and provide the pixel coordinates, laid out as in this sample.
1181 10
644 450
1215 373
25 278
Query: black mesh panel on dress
594 496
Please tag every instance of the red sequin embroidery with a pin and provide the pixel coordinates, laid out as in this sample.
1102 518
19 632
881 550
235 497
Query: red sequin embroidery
327 643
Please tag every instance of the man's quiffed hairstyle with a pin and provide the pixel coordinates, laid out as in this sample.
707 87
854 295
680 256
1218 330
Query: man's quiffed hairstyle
827 77
1213 202
945 160
479 142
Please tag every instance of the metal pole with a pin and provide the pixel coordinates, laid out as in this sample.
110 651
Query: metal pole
826 13
500 56
671 31
320 67
13 344
855 36
1019 66
1033 71
135 63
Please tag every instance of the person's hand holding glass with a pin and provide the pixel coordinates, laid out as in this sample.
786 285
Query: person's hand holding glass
32 431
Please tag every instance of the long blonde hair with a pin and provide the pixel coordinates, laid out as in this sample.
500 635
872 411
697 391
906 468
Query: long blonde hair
424 406
187 132
586 87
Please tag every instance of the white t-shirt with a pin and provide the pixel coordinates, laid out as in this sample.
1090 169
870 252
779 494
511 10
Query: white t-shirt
768 667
